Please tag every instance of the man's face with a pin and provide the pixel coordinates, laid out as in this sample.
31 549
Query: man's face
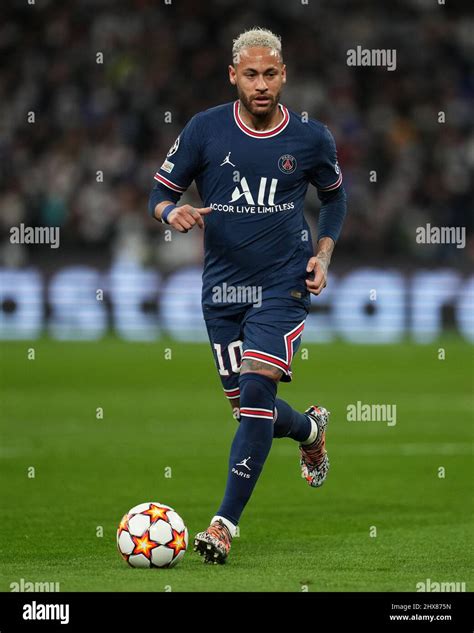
259 75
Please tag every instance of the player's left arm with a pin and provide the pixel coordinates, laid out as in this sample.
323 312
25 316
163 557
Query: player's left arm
327 178
319 265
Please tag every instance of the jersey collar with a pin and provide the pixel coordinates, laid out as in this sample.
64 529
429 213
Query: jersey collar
265 133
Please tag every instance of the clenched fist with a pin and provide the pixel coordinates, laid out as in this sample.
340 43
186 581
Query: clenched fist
185 217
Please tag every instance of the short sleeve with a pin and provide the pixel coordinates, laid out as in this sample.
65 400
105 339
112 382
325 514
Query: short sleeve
182 162
326 175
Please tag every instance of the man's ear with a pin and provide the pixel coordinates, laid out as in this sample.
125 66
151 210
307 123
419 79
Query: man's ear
232 74
283 70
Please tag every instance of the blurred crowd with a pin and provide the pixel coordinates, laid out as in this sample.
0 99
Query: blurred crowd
94 92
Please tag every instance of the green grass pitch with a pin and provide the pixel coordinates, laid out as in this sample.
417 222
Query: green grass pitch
161 414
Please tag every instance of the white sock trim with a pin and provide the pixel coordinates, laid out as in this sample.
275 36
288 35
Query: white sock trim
313 435
231 527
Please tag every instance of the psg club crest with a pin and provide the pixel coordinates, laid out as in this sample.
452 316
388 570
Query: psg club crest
287 163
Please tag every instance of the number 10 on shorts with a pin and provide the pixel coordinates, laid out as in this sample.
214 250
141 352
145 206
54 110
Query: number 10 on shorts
234 352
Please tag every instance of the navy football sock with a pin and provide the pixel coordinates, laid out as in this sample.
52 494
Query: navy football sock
251 444
290 423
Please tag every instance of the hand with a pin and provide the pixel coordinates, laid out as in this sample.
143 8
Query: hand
185 217
319 265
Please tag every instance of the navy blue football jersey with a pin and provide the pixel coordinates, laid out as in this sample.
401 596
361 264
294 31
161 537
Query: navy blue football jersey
256 183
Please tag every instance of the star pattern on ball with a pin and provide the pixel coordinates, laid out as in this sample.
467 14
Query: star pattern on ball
123 524
178 542
143 545
157 512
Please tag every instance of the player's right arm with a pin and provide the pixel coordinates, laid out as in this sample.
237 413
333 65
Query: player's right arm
181 218
181 166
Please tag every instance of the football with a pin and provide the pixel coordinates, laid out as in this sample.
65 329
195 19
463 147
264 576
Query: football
152 535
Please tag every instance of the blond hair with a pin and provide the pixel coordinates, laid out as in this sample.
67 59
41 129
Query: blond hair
255 37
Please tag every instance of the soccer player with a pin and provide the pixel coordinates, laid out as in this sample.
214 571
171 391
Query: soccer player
252 161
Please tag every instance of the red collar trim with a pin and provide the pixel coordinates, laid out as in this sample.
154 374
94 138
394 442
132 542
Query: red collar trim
265 133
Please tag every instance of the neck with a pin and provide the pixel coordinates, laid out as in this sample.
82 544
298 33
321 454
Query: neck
271 120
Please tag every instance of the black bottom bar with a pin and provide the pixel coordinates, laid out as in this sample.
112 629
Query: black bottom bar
235 612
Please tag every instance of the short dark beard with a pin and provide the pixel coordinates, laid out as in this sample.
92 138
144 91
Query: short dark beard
259 115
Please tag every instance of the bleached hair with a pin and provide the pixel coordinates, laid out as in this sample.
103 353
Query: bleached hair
255 37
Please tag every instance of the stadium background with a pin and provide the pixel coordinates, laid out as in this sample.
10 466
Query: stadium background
113 118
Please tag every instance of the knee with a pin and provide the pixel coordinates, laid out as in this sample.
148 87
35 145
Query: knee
257 389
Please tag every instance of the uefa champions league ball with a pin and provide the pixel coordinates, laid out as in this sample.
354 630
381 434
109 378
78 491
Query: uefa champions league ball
152 535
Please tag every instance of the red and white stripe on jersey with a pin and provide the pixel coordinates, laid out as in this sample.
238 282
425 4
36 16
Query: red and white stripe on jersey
270 359
290 338
334 185
168 183
232 393
266 133
254 412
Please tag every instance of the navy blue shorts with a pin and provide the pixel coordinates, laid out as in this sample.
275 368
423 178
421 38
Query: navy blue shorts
270 333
